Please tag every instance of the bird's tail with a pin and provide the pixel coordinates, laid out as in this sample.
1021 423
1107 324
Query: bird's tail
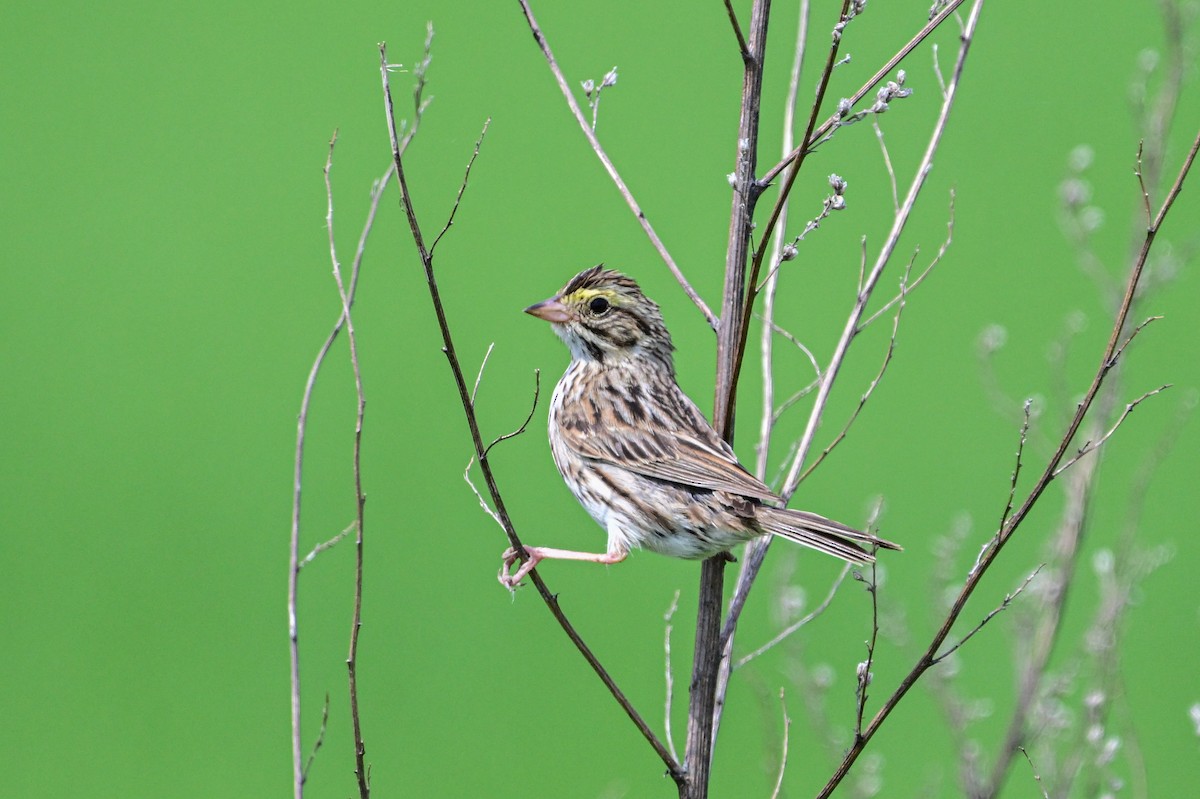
823 535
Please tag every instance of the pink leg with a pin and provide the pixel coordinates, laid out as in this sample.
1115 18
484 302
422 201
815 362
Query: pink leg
537 554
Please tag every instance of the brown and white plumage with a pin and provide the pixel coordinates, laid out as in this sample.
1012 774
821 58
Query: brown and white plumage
636 451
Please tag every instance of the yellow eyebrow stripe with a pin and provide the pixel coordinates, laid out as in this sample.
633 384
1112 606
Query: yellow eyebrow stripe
583 295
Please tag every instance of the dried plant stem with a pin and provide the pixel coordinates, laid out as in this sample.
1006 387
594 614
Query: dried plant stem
1108 361
609 167
756 552
707 658
299 768
360 769
464 392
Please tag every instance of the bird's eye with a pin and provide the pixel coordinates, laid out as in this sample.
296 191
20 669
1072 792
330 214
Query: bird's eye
598 305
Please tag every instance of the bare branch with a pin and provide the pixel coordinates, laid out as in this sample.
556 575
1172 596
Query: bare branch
1016 473
708 655
294 562
565 88
910 285
482 502
887 163
501 512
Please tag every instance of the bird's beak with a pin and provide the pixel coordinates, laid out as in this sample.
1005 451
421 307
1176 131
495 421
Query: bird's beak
551 310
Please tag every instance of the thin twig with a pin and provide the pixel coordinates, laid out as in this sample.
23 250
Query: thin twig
479 374
670 677
360 749
565 88
1094 445
324 545
768 418
312 756
1003 606
866 395
501 511
1016 472
887 163
1033 769
783 755
462 187
790 630
537 391
863 673
911 285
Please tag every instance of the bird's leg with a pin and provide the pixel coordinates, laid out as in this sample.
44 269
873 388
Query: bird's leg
537 554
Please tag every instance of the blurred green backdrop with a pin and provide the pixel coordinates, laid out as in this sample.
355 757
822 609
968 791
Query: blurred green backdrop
167 284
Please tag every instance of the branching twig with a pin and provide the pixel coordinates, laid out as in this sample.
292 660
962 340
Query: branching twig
565 88
1107 362
1016 473
294 562
756 551
870 84
501 512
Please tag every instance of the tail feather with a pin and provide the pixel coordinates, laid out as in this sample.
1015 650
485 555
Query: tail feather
821 534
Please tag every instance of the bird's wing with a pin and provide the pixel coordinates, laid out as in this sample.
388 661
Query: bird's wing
677 445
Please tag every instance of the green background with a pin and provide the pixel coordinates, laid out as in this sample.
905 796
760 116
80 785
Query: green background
167 283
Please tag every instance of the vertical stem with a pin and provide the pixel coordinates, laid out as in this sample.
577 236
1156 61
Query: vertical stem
745 195
698 755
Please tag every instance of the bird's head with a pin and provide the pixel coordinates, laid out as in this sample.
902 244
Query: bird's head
603 316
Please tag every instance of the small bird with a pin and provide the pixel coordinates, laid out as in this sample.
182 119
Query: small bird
639 455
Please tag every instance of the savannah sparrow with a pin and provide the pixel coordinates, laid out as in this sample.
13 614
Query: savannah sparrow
639 455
